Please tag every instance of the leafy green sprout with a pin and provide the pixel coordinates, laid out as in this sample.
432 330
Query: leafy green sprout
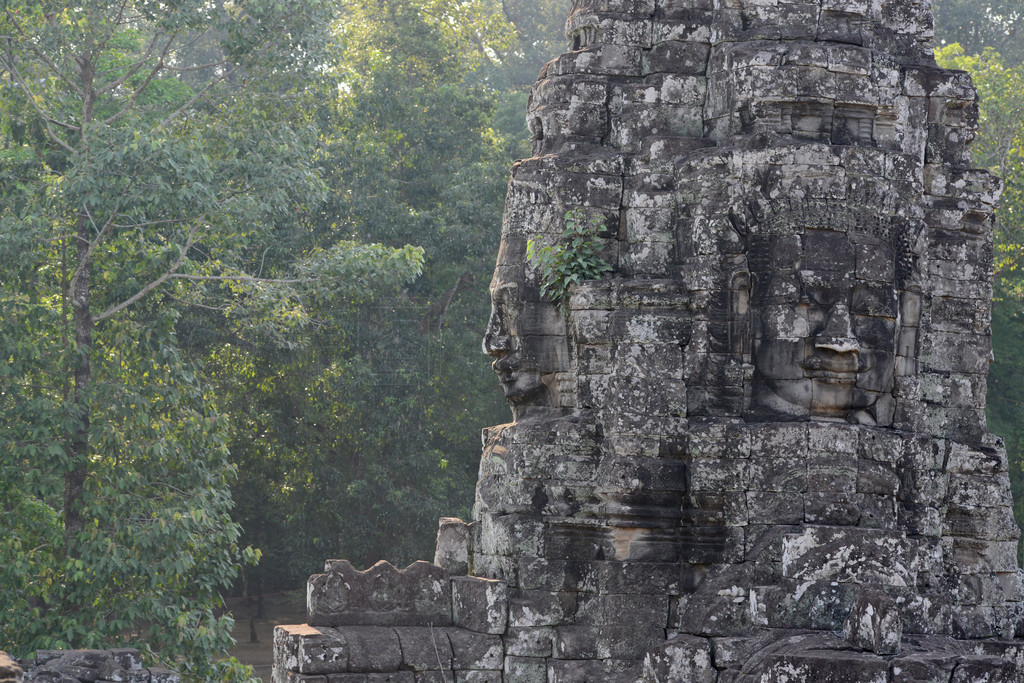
569 259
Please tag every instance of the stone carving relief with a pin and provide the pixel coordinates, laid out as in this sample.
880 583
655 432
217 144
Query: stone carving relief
827 309
527 339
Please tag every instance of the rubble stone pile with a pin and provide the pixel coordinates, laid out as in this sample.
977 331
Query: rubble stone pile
756 451
121 665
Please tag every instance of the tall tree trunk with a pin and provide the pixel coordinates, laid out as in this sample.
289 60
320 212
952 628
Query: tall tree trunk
78 446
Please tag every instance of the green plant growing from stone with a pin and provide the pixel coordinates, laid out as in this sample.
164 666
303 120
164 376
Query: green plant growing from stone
570 259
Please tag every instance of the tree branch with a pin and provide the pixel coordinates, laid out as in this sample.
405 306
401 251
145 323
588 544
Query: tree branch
168 274
243 278
167 121
197 68
134 68
46 118
100 234
41 55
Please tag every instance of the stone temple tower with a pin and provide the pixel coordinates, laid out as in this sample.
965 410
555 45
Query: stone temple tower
756 450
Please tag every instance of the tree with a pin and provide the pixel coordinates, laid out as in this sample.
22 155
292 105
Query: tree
976 26
135 177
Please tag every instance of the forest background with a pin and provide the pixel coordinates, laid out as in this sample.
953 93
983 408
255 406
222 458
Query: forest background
244 256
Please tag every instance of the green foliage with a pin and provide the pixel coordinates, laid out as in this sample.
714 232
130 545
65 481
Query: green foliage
140 179
159 543
571 259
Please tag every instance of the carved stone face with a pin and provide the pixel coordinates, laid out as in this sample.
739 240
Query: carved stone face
528 342
824 340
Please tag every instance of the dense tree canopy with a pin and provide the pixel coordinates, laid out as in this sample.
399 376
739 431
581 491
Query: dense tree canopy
994 24
140 176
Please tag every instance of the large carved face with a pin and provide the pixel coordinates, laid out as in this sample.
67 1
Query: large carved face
824 336
528 342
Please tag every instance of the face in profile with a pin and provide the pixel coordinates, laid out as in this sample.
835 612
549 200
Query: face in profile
528 342
824 339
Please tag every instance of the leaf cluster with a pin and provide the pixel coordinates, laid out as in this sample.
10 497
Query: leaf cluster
574 257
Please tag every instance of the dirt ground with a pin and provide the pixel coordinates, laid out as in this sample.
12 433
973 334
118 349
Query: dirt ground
281 608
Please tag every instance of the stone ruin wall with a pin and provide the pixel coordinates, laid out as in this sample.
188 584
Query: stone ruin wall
119 665
758 450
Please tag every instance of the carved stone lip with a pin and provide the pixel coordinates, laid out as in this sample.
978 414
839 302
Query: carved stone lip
847 379
834 375
837 366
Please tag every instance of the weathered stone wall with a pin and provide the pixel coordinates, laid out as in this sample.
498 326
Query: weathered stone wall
758 451
86 666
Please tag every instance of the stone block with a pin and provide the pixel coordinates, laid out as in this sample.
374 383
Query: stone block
515 535
972 490
874 623
714 509
963 459
381 595
392 677
642 608
770 440
604 670
424 648
526 669
877 478
832 472
540 608
719 440
452 550
658 578
980 669
717 474
683 658
848 555
479 604
880 446
775 507
825 667
473 650
372 649
974 556
821 605
679 57
922 668
533 641
606 641
127 658
158 675
986 523
282 675
777 473
478 677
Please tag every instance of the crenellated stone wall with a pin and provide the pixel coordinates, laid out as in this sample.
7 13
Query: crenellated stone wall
757 450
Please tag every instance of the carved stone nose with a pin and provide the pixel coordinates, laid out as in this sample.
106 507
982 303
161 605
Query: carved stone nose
837 335
496 344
